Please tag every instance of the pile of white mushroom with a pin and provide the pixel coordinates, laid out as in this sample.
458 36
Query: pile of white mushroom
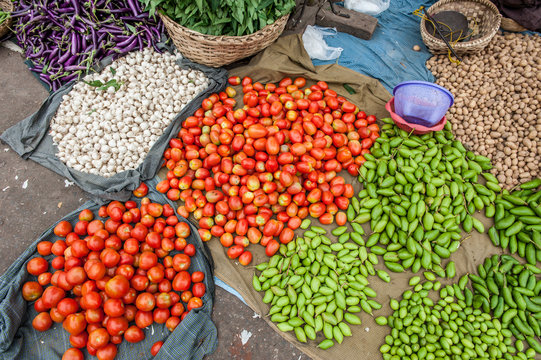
497 111
105 132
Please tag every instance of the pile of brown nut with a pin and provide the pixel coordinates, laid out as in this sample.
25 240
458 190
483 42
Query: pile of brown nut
497 110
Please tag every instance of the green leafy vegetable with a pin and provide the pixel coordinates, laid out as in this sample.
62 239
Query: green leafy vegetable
222 17
101 86
3 16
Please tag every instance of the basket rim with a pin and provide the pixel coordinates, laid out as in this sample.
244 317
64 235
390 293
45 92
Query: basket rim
5 27
462 45
7 5
225 38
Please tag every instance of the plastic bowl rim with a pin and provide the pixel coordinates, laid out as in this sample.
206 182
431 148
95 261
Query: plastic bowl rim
419 82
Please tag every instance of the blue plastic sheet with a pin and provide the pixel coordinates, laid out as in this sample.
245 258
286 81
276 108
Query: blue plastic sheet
388 56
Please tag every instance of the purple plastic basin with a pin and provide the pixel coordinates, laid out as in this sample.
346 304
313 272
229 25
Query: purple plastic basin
421 102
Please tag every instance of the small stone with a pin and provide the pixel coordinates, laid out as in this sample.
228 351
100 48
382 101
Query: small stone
416 48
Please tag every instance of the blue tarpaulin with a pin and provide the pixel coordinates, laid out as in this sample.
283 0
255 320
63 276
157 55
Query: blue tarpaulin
388 56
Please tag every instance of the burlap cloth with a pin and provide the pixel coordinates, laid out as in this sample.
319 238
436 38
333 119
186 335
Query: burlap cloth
287 57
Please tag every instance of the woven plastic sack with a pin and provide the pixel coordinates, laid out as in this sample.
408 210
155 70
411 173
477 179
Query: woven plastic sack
30 139
194 337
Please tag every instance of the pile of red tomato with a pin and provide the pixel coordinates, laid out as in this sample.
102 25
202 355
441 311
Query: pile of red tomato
279 154
115 277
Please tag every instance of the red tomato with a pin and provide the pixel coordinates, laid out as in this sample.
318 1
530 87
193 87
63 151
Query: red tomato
180 262
94 316
160 316
182 281
172 323
272 247
341 218
44 248
145 301
73 354
155 274
32 290
75 323
63 228
235 251
56 316
125 270
131 310
155 349
95 270
98 338
117 287
198 276
147 260
163 300
190 250
182 230
177 309
52 296
134 334
286 235
194 303
39 306
117 325
114 308
42 321
59 247
109 257
76 276
37 266
67 306
108 352
79 341
186 296
139 282
44 279
143 319
326 219
199 289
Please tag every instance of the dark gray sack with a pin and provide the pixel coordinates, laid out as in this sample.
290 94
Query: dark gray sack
194 337
30 139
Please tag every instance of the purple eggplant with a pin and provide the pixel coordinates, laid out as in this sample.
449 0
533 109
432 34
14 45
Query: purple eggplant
64 38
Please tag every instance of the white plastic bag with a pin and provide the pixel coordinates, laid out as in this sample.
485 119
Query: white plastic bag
370 7
316 47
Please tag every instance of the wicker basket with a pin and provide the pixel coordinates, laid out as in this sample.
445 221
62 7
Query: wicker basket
511 25
483 17
5 5
217 51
